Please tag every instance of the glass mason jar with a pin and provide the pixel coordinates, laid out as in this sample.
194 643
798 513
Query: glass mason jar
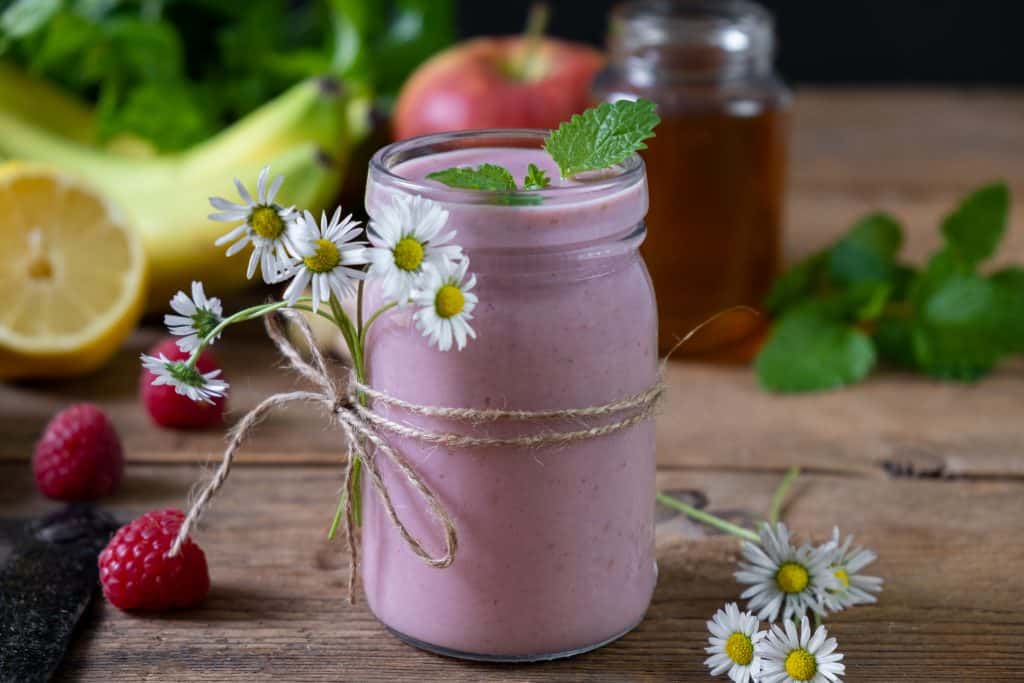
556 544
717 166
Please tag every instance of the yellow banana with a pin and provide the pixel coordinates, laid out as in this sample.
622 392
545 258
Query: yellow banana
304 134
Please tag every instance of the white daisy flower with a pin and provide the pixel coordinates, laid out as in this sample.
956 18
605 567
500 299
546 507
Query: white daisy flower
783 577
447 304
733 649
845 562
325 254
789 656
264 224
185 379
196 317
407 243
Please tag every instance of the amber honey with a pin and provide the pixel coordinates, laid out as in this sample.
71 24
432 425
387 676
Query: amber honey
715 221
717 165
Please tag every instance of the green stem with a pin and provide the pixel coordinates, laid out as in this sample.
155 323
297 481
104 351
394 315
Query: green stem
337 515
780 494
524 67
309 309
359 309
238 317
354 339
708 518
363 332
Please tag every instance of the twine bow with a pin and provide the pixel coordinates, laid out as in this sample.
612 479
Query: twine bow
340 406
362 428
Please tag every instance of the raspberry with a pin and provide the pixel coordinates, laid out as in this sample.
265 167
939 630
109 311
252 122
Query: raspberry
136 572
79 456
169 408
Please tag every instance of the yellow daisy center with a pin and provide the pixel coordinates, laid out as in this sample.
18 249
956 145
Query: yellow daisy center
408 253
325 259
265 222
739 648
801 665
843 577
792 577
449 301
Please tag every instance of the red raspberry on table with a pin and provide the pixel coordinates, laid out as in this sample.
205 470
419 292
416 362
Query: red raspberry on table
169 408
79 456
136 572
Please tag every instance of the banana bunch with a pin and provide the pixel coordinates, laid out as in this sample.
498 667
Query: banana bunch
305 134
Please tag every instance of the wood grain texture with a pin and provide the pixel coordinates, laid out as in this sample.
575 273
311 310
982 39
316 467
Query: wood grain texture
724 419
948 536
952 602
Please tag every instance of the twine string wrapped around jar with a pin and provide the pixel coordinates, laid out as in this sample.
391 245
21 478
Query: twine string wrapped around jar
362 428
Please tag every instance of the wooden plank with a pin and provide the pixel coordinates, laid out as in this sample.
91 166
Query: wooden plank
951 610
715 416
911 152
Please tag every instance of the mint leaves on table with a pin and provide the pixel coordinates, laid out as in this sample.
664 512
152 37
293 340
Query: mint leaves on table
598 138
846 306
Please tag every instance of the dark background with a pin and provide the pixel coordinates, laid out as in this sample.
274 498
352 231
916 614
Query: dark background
835 41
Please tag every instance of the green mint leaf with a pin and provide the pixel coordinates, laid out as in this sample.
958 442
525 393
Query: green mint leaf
893 339
941 267
810 351
959 328
960 300
489 177
865 301
601 136
974 229
517 199
1009 292
867 252
24 17
1011 277
536 178
949 356
797 284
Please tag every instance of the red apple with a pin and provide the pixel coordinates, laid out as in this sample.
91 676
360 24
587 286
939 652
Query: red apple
512 82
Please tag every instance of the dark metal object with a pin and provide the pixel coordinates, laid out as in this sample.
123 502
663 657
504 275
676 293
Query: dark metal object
45 588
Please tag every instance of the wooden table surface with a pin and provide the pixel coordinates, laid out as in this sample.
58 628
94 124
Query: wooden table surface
930 475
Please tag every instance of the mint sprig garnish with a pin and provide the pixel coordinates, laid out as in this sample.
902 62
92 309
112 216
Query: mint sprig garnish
602 136
536 178
489 177
597 139
846 305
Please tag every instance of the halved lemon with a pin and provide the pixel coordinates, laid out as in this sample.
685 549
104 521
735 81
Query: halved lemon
72 274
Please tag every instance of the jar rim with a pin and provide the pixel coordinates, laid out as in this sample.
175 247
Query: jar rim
688 11
626 173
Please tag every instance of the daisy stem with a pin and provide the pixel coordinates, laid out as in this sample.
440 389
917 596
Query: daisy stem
309 309
355 347
240 316
359 310
342 497
708 518
377 314
780 494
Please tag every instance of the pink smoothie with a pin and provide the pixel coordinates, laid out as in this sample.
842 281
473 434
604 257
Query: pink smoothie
556 545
